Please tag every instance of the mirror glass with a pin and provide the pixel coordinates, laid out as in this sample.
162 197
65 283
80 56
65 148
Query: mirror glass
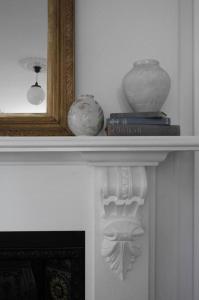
23 56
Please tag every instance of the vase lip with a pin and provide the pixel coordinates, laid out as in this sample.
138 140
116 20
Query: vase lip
87 96
148 61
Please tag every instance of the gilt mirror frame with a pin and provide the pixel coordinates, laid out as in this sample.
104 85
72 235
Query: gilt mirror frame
60 79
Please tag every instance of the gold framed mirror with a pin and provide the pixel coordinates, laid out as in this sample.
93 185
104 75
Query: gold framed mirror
60 79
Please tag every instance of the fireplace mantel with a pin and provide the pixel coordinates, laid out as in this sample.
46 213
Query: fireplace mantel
122 186
101 151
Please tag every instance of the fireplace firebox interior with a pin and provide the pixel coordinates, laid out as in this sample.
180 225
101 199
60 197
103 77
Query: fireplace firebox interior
42 265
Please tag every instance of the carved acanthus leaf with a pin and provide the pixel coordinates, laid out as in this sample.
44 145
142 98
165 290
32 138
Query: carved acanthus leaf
119 246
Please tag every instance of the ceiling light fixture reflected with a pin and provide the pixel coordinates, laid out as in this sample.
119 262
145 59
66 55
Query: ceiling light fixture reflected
35 94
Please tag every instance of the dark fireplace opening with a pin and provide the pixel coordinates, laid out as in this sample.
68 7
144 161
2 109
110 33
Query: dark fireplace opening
47 265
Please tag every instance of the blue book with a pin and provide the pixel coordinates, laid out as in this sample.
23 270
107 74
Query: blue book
138 115
139 121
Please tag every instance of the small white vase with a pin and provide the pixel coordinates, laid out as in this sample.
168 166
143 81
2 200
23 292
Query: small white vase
146 86
86 116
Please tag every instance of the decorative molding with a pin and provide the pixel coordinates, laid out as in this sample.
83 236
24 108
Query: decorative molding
123 193
152 223
100 144
95 151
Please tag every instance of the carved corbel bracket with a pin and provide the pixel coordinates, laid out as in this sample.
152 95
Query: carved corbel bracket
123 193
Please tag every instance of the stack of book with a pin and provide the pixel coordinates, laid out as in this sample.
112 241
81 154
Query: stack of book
136 124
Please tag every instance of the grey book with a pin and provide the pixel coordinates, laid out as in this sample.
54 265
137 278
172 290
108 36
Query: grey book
142 130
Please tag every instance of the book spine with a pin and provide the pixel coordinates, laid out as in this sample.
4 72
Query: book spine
146 121
142 130
138 115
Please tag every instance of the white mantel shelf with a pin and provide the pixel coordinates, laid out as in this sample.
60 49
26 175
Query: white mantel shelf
102 150
99 143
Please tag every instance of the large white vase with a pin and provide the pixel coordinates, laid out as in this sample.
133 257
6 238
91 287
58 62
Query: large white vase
146 86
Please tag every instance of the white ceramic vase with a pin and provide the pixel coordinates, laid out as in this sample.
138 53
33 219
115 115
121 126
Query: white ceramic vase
146 86
86 116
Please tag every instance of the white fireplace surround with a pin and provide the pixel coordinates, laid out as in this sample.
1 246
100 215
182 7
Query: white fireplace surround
123 185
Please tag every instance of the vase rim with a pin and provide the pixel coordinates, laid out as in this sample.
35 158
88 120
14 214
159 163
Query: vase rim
86 96
146 62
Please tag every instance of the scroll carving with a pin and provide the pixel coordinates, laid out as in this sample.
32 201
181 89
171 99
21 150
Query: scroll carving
123 193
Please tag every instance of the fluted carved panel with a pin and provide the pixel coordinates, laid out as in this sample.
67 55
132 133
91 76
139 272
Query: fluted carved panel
123 192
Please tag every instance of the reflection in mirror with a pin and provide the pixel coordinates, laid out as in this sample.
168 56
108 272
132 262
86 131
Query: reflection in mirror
23 56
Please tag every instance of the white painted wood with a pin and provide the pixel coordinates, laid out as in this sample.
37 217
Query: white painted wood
196 162
185 66
151 199
196 228
184 185
196 65
93 148
174 249
100 143
98 151
167 233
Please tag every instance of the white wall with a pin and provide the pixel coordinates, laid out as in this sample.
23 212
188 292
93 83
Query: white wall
111 35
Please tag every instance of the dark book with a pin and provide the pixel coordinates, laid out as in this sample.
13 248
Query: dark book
142 130
138 115
144 121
